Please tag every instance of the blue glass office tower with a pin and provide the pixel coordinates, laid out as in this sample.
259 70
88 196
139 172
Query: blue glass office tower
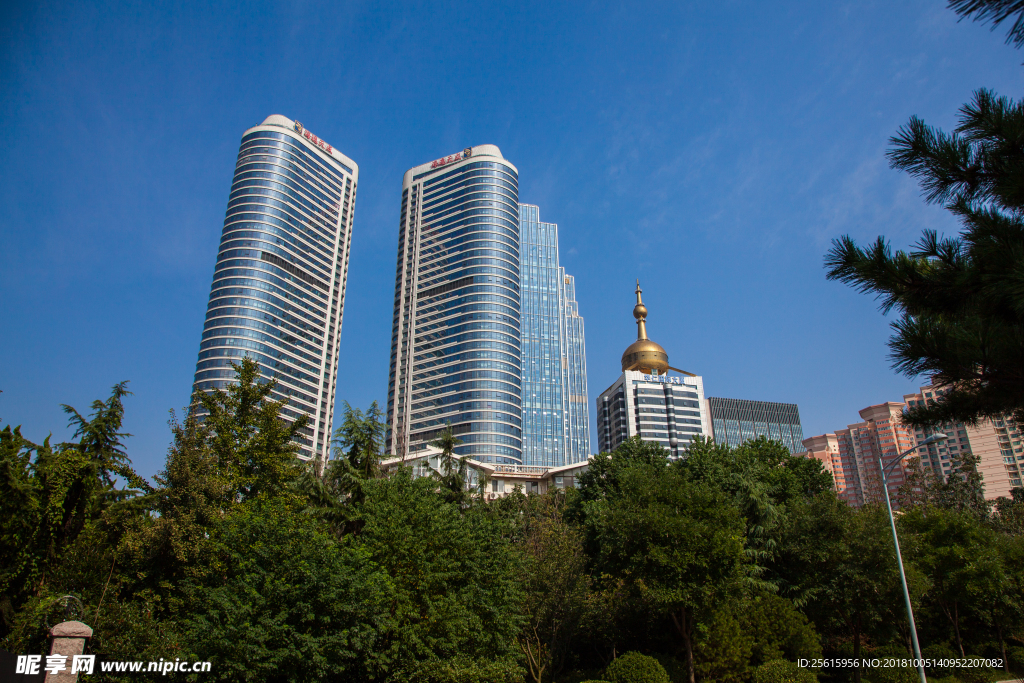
279 283
734 421
556 427
455 343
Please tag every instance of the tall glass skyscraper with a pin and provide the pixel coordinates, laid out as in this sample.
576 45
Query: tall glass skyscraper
556 429
574 363
279 283
455 343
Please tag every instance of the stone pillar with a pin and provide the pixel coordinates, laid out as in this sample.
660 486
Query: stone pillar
69 640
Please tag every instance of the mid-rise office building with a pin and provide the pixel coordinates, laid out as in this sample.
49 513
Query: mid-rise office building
852 454
556 429
647 401
278 288
734 421
456 354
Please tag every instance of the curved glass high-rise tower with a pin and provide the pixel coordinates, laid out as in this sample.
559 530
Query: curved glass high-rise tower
279 283
456 341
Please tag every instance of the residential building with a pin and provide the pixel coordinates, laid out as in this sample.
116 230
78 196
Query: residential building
734 421
647 401
854 462
997 444
556 429
852 454
456 330
278 289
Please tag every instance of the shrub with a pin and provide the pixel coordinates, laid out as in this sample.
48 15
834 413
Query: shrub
468 670
978 674
634 667
675 669
1015 655
938 652
583 676
893 674
782 671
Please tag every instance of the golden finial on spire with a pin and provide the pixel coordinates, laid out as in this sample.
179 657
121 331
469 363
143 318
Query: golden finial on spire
644 354
640 313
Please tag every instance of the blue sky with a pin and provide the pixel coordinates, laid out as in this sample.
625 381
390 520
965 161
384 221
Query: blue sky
711 149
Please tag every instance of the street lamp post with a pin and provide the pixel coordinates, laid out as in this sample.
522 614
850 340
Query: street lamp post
899 558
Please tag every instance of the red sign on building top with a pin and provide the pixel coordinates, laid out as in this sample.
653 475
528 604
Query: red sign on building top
452 158
312 138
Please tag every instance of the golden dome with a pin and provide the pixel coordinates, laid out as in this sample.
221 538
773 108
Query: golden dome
646 356
643 354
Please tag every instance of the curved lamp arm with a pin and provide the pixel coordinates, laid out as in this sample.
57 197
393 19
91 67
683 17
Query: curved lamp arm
934 438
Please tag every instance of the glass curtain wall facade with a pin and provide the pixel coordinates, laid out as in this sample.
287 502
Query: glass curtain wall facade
734 421
279 283
574 368
456 341
554 365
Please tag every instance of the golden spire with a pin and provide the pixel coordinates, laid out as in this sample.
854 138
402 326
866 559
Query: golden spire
640 313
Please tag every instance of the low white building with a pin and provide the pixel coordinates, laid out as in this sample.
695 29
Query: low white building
499 479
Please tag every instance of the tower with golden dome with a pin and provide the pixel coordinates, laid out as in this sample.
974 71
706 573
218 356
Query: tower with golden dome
647 400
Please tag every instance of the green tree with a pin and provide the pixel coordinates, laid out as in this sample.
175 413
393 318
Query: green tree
455 573
290 604
679 544
839 566
334 492
50 494
250 441
360 439
601 478
782 671
962 490
634 667
232 447
1009 513
725 650
194 493
960 298
957 552
763 478
998 599
556 584
779 629
452 471
995 11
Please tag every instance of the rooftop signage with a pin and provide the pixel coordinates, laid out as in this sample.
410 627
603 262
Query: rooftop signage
664 379
312 138
452 158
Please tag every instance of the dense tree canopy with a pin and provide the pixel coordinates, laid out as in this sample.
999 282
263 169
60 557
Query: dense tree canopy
730 564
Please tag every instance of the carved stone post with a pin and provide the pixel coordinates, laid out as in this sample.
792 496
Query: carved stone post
68 640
